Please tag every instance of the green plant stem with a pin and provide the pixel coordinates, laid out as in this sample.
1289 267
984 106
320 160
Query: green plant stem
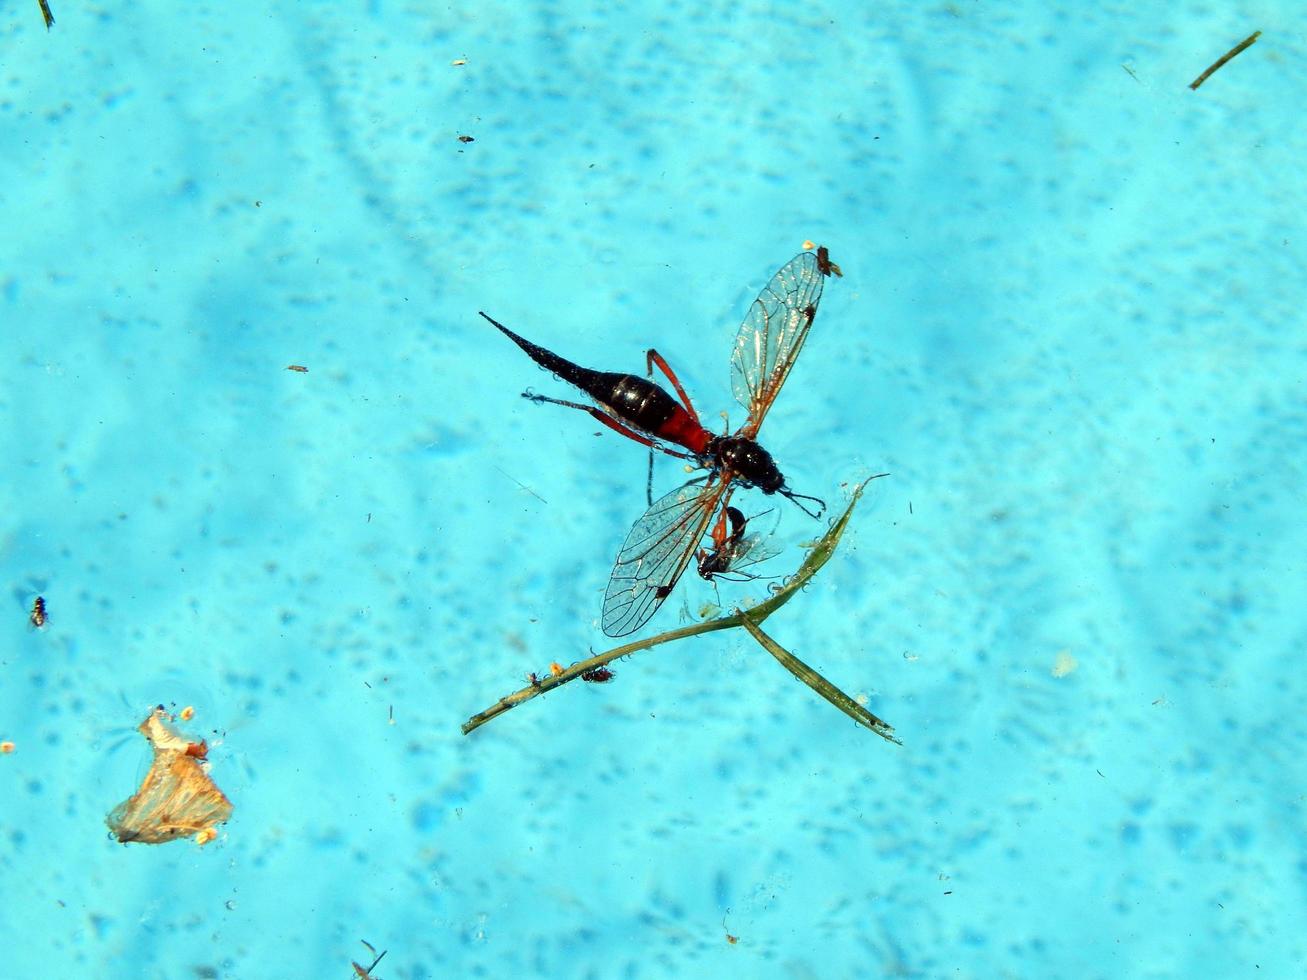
818 683
816 558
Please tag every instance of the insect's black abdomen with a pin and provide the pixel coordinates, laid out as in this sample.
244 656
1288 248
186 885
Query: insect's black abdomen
637 401
561 366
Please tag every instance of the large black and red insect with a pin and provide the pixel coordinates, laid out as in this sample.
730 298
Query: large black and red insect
662 543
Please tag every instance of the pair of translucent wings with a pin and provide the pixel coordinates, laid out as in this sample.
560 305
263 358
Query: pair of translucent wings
662 542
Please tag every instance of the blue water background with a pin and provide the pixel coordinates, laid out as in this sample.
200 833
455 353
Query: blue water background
1070 327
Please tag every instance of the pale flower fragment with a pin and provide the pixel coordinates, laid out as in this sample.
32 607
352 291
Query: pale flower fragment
177 798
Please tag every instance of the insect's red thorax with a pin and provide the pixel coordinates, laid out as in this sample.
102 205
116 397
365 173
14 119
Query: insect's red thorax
684 430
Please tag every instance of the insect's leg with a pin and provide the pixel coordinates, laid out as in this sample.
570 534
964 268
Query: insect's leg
719 532
648 483
612 423
648 480
531 396
652 357
653 444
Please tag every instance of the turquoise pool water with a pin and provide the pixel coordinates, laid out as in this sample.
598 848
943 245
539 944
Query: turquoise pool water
1070 327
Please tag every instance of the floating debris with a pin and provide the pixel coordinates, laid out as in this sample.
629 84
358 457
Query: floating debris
6 747
1238 48
45 12
365 972
297 367
1064 665
467 139
177 798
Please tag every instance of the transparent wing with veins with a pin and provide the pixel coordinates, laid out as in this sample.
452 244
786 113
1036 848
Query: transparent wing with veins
657 551
773 332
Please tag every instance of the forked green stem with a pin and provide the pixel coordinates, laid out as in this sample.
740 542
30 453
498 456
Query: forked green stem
817 557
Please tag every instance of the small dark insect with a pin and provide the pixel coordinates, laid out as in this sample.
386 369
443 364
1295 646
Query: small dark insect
365 972
45 12
733 551
825 266
297 367
534 678
466 139
38 616
600 675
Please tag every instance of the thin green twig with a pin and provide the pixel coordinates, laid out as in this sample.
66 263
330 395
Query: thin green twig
816 558
818 683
